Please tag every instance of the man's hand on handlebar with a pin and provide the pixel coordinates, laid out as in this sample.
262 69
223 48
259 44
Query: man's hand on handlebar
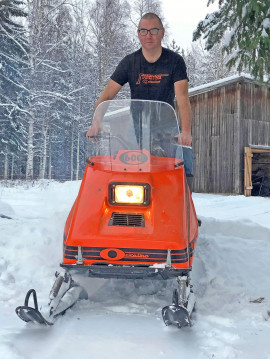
184 139
94 131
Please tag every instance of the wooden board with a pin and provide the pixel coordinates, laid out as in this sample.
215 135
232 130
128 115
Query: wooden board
248 171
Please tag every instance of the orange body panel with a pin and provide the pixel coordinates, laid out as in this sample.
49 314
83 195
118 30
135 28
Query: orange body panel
169 220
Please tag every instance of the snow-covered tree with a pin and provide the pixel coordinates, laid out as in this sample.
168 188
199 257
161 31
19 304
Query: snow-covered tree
174 47
244 26
141 7
110 35
13 58
49 38
83 84
206 66
52 72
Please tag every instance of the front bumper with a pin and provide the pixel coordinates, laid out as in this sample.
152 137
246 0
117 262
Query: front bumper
127 272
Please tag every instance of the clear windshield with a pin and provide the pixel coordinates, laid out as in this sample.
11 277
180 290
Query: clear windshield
137 135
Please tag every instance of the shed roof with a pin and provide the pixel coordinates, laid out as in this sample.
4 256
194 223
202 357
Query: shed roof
223 82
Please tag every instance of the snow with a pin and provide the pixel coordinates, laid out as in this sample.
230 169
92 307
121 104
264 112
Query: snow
228 37
264 33
122 317
209 18
244 10
220 82
266 23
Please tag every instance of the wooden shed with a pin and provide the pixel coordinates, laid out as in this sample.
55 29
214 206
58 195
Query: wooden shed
228 115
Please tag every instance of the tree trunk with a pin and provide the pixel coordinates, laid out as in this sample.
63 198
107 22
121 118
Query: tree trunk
30 150
78 156
50 156
43 157
12 166
71 152
6 165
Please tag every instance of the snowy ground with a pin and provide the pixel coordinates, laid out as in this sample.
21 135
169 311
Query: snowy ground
122 318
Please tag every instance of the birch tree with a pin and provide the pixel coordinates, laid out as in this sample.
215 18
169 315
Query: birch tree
141 7
110 35
45 78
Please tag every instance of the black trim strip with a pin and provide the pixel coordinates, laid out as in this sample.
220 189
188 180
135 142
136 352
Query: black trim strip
132 259
125 257
153 255
145 260
128 250
156 255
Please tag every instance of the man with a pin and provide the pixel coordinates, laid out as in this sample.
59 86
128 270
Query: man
153 73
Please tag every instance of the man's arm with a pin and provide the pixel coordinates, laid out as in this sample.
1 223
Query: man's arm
110 91
184 108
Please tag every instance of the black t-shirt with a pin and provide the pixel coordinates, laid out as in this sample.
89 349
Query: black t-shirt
151 81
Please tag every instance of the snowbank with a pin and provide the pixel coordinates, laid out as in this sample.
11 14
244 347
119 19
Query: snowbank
231 277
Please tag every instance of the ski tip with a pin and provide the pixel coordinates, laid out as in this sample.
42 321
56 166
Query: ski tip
176 315
31 315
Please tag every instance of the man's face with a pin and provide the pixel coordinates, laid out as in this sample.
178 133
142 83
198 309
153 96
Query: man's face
150 42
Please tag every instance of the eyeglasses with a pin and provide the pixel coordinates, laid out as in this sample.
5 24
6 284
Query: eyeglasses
153 31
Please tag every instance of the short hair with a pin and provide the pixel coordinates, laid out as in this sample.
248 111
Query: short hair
150 16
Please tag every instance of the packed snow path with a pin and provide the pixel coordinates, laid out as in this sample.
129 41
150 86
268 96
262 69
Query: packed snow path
122 319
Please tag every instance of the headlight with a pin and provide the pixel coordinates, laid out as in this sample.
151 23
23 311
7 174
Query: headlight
129 193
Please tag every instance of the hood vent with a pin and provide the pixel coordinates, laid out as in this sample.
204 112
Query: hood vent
127 219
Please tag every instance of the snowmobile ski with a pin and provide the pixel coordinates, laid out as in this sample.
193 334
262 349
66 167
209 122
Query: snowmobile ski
29 314
176 315
183 302
63 295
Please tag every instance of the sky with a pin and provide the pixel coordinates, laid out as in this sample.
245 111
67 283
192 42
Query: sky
183 16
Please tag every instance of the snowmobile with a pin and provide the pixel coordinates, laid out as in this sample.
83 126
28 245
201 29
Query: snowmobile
133 217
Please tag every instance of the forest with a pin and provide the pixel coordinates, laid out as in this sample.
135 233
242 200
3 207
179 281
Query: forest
56 56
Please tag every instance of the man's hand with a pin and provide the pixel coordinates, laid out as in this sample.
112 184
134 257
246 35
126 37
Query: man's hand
109 93
93 131
184 139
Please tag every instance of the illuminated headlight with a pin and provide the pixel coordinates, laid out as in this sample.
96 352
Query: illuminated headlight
129 193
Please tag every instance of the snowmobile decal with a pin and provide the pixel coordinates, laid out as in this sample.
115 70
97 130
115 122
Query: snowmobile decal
133 157
112 253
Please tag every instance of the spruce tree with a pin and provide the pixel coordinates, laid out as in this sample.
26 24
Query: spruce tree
13 58
244 25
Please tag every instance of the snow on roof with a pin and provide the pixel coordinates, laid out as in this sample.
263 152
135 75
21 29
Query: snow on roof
218 83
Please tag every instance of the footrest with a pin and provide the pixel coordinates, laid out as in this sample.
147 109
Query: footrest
176 315
29 314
